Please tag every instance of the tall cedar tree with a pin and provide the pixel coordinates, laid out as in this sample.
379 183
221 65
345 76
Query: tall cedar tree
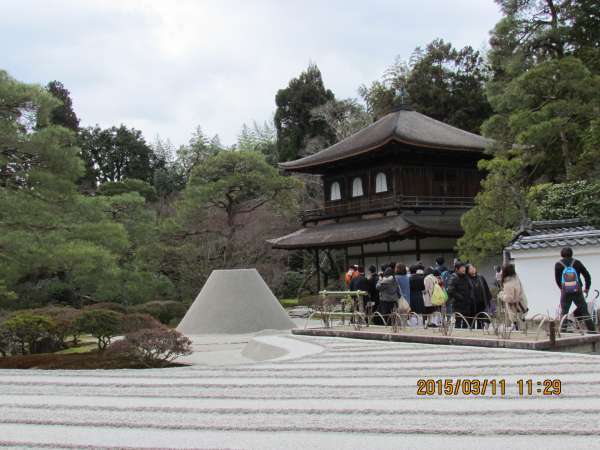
63 114
114 154
441 82
296 128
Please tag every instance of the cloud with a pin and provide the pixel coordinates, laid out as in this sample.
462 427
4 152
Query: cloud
166 67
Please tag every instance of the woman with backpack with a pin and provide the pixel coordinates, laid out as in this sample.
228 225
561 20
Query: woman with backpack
434 296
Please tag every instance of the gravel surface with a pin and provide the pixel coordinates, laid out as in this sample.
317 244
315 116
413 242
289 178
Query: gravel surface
352 394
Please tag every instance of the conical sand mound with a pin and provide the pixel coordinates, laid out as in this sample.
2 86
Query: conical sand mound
234 302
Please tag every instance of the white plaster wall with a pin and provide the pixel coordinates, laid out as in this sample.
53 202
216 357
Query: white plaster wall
536 270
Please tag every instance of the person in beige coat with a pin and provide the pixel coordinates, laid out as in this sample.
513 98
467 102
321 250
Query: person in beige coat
431 311
512 295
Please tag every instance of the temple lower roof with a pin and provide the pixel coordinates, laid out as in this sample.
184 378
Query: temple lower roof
356 232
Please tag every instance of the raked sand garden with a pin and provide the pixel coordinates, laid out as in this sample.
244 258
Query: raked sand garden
307 392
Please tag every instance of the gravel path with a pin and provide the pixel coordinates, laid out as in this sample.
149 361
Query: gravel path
354 394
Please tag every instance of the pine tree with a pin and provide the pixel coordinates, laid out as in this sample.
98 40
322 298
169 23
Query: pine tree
296 128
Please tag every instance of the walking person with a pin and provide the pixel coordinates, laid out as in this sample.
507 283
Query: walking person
459 294
512 296
567 273
388 293
481 296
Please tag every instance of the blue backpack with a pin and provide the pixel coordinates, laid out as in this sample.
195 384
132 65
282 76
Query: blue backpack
569 279
446 277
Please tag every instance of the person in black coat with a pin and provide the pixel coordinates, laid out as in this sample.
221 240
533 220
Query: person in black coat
481 296
459 294
372 279
417 286
360 283
574 297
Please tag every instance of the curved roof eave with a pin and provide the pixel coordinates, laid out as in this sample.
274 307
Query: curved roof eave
407 127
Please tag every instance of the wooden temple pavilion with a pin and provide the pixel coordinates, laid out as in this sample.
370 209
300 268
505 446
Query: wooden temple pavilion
393 191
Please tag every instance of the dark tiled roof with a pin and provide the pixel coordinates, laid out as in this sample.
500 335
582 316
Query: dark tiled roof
369 230
404 126
556 234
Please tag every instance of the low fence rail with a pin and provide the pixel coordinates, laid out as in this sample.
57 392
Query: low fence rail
349 307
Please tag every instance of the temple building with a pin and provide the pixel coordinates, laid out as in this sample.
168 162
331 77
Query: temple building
393 191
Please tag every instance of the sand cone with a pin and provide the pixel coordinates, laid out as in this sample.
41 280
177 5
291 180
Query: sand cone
234 302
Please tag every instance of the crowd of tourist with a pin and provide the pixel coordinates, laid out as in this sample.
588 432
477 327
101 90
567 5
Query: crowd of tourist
432 291
424 290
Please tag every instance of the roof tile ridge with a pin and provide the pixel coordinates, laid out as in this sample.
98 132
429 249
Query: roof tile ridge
447 125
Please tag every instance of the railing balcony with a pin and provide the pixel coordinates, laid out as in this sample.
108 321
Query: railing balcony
386 203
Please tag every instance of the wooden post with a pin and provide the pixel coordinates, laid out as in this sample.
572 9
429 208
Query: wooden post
318 269
552 332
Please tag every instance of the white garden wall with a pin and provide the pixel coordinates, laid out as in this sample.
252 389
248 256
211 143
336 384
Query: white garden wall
535 267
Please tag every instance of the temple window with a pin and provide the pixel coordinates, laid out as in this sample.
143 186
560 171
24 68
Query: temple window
380 183
357 187
335 192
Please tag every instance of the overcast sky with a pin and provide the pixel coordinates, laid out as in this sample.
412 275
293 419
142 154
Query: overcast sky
166 67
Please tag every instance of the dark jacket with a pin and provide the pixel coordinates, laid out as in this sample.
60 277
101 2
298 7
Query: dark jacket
359 283
578 266
373 292
417 286
459 293
441 269
388 289
480 294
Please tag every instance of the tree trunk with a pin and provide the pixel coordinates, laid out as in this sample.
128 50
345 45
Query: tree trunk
564 144
229 235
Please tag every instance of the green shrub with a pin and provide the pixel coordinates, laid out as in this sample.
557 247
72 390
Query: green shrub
112 188
291 284
65 322
156 347
103 324
138 321
166 312
24 332
116 307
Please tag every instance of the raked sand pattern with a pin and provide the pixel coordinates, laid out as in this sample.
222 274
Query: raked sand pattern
352 395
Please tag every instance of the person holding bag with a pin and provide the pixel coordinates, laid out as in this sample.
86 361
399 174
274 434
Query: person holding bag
434 296
389 294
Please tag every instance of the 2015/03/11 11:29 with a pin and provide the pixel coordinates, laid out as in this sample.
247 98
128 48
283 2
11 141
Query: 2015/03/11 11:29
449 386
